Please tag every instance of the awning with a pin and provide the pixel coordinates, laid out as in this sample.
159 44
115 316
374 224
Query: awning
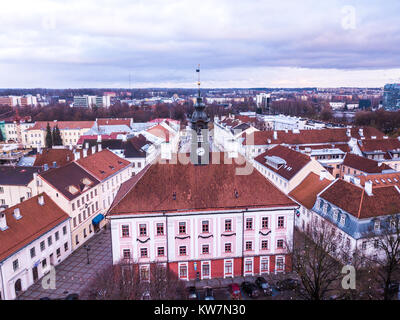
96 220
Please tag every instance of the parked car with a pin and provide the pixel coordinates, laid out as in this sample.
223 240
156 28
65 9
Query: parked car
264 286
193 294
250 289
209 294
287 284
72 296
234 290
393 287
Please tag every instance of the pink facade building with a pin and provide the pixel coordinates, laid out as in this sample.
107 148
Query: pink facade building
202 221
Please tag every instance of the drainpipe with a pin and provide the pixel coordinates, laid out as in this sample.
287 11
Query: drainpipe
243 243
3 296
166 233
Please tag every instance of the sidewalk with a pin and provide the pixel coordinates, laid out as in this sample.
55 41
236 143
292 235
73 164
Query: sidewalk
73 274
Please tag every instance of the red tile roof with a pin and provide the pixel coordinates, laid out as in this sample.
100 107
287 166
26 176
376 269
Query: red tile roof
322 136
103 164
160 132
306 192
295 161
376 145
113 135
364 164
381 180
42 125
36 220
48 156
354 199
205 187
114 121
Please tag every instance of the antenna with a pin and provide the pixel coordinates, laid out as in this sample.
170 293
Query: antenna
198 79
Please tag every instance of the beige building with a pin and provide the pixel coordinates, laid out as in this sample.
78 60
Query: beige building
85 188
70 132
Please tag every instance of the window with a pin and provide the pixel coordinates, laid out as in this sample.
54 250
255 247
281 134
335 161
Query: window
57 236
228 267
264 223
144 273
249 224
125 231
64 230
44 263
206 270
182 227
142 230
182 251
15 265
228 225
205 249
42 246
279 264
264 265
281 222
49 241
377 225
66 246
249 246
160 251
80 218
280 244
77 239
160 229
73 206
228 247
348 243
84 233
127 254
264 245
205 227
183 271
143 252
33 252
58 252
376 244
364 245
74 222
248 267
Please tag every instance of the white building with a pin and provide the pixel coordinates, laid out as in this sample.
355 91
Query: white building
34 236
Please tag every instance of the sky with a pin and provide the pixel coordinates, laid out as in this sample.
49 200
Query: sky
158 43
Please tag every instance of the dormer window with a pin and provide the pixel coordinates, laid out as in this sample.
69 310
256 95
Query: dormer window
335 215
377 225
342 219
325 208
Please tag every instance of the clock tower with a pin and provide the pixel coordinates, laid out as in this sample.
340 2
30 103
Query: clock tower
200 146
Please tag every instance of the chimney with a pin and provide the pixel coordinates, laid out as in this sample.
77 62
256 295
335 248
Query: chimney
87 145
322 175
361 132
45 167
124 138
54 164
84 153
70 147
17 213
77 155
41 200
348 132
99 138
368 187
3 221
99 147
275 135
39 149
93 149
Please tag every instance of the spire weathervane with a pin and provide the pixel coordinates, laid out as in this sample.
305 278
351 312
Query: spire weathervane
198 78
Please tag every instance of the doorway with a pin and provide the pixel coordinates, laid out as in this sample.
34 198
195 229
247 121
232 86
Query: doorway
18 287
35 274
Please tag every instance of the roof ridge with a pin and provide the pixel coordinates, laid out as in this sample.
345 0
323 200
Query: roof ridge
361 201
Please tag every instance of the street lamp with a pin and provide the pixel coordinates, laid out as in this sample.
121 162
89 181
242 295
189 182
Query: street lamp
87 247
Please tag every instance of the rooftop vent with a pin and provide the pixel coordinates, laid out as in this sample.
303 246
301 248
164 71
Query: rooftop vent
3 221
174 195
17 214
236 194
41 200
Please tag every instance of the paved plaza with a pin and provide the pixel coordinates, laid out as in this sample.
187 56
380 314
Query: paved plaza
73 274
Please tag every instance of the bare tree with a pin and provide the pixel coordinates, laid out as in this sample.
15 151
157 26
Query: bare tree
387 256
165 284
316 256
128 281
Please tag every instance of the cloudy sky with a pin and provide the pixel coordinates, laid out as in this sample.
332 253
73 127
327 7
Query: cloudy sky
253 43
